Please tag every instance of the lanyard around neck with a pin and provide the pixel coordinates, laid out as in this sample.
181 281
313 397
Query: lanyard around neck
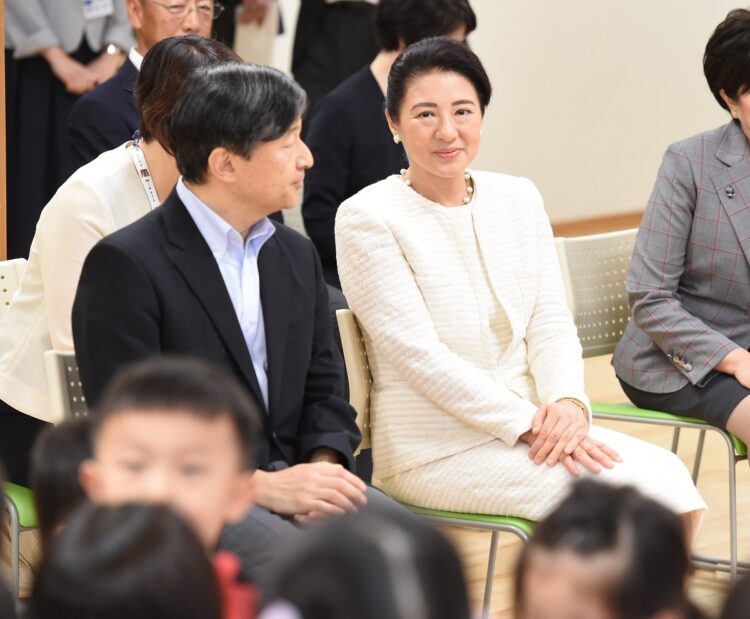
141 167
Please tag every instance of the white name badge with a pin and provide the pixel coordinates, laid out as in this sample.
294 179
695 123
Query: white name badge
94 9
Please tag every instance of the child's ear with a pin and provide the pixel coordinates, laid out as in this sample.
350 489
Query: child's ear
242 498
88 476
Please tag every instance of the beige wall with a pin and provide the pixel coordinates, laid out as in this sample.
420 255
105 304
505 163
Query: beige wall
588 93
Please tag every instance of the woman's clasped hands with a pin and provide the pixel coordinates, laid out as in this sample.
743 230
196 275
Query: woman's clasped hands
559 434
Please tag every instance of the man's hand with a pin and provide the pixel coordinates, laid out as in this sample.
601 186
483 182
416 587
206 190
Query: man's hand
559 428
76 78
310 491
253 11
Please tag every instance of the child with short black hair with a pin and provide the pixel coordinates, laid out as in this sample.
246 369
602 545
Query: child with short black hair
377 563
125 562
55 462
606 552
182 432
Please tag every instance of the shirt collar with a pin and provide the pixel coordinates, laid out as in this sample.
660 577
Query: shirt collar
135 57
217 232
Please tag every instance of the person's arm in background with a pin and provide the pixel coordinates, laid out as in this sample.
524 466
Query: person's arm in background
30 34
117 32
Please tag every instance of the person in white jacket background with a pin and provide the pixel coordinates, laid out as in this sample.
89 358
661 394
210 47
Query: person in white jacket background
478 401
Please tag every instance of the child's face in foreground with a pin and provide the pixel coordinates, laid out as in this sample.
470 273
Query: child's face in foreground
564 585
174 457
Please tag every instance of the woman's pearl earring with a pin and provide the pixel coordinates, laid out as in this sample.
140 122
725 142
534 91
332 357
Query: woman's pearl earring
396 138
734 114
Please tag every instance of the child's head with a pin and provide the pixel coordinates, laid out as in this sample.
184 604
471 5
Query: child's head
176 431
55 462
125 562
380 562
604 553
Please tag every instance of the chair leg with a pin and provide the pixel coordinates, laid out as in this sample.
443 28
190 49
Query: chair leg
733 551
698 455
675 440
15 549
490 575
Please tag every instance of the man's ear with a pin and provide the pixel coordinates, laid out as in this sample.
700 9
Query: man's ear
135 13
88 476
220 164
242 498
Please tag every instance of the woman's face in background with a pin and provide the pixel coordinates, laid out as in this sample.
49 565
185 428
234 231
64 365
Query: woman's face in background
440 122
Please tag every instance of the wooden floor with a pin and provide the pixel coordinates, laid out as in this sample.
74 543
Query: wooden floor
707 588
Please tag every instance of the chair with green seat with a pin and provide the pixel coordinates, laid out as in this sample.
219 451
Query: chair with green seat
594 270
360 381
19 503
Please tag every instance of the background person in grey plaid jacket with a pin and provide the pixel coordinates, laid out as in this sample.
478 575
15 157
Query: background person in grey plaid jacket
686 349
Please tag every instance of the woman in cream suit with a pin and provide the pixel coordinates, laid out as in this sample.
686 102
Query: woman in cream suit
101 197
477 400
686 349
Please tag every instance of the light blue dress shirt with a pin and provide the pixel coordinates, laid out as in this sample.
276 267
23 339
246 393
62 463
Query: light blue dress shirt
238 263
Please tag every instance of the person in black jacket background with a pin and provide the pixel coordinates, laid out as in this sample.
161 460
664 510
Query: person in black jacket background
347 132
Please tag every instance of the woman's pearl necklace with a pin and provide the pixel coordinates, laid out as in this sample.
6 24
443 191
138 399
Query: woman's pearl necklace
467 178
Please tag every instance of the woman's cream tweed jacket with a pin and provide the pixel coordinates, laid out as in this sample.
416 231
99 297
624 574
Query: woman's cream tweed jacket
438 389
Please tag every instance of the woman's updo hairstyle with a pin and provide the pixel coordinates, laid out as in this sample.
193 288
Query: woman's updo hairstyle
431 55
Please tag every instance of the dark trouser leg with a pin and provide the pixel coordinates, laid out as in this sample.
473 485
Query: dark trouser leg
17 435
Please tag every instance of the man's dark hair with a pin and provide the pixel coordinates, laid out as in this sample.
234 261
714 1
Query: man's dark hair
409 21
231 106
430 55
166 67
726 62
125 562
55 460
182 384
598 518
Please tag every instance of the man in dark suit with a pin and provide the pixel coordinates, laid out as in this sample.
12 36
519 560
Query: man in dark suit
207 274
105 117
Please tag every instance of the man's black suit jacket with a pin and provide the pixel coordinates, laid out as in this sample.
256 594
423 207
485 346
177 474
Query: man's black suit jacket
104 117
154 287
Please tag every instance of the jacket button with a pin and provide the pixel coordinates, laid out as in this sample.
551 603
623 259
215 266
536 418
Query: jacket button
730 192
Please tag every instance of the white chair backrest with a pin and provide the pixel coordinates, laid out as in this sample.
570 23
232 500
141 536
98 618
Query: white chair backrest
11 273
357 370
594 269
65 389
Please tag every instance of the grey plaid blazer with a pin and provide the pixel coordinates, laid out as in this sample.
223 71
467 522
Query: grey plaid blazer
689 279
